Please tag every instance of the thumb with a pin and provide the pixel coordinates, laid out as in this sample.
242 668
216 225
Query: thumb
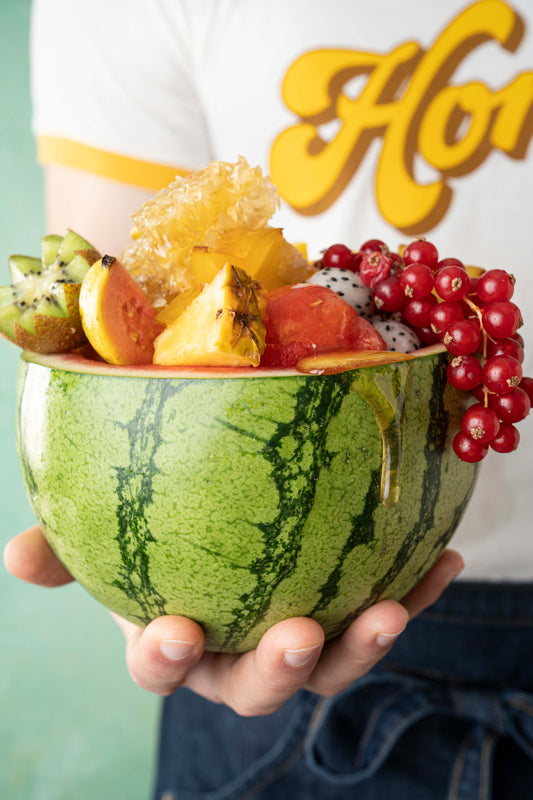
30 558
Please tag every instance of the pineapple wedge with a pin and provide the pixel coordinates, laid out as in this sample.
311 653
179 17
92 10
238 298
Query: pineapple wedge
205 264
221 326
256 252
177 306
264 254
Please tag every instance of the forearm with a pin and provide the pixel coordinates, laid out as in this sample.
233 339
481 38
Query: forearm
97 208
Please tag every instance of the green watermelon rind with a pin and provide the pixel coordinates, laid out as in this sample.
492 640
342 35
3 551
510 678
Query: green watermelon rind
242 502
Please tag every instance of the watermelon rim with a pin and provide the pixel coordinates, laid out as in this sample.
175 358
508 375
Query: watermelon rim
74 361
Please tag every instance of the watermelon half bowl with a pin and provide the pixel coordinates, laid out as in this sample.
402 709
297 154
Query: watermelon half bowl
241 497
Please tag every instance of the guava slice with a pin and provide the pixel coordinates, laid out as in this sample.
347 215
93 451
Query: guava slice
39 311
117 317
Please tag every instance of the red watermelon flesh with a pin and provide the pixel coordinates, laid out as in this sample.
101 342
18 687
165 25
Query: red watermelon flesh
305 319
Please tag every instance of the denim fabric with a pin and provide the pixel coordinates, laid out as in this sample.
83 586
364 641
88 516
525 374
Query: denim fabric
447 716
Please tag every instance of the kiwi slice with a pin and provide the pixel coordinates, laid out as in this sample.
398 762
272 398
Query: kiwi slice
39 311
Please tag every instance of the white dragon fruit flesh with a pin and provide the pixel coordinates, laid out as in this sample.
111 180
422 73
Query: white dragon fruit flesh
398 337
347 285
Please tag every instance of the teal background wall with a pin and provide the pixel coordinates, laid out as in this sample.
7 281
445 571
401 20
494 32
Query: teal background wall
72 723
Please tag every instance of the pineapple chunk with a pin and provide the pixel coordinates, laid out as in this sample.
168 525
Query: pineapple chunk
264 254
172 310
205 264
257 252
221 326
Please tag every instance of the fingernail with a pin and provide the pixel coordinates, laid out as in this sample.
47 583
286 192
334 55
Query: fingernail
297 658
387 639
175 649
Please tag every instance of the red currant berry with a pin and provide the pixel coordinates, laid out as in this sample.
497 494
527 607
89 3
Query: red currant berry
416 311
526 384
355 262
512 407
480 391
373 245
465 373
417 281
420 251
442 314
452 283
472 294
495 286
480 423
397 262
338 255
516 336
501 320
426 335
507 439
468 449
374 267
468 311
462 338
502 374
388 294
505 347
450 262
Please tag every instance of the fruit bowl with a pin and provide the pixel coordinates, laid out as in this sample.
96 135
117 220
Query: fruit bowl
240 497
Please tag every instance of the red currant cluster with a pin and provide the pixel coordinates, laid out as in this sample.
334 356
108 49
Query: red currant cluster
473 317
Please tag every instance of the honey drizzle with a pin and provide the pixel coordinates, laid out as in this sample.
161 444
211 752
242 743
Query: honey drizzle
385 392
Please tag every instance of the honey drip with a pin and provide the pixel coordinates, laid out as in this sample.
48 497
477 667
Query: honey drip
386 392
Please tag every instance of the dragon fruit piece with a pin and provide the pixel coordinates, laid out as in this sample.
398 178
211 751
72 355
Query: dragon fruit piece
347 285
398 337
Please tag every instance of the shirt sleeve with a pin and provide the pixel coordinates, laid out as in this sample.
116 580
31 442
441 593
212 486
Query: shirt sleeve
113 88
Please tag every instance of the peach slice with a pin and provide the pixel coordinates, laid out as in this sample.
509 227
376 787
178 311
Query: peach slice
342 361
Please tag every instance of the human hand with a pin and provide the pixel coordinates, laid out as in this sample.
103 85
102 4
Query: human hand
292 655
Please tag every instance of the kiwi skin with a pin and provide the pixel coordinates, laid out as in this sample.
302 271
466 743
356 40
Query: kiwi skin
40 311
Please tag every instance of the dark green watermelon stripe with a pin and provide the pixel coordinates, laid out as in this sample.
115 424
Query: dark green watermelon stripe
436 435
316 405
135 493
362 533
446 535
390 419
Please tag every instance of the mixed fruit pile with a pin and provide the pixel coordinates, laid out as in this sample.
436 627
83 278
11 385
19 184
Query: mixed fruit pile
208 282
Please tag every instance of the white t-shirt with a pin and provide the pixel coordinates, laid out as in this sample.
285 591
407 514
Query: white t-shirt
384 119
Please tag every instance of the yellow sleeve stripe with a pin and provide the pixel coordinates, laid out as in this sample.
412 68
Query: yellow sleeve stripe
145 174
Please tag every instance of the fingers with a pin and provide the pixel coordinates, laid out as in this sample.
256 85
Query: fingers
170 652
259 682
371 636
29 557
430 588
359 648
160 657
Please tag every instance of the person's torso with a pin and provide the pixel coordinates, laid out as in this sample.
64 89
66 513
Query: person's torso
385 120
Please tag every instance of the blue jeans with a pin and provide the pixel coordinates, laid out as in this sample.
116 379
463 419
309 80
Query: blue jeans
447 716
